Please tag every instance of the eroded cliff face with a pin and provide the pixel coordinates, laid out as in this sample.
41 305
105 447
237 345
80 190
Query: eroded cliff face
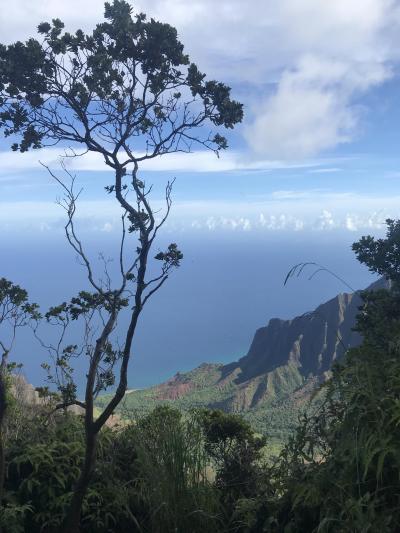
286 358
286 354
312 341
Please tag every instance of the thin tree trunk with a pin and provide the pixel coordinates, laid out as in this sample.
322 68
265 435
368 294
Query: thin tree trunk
72 521
93 427
3 408
2 464
2 470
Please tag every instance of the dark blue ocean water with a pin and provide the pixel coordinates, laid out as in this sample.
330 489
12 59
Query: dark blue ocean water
229 284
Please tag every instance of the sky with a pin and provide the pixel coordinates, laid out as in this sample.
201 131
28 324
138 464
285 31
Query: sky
317 149
314 165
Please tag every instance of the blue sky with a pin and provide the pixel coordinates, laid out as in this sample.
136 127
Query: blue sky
314 166
318 149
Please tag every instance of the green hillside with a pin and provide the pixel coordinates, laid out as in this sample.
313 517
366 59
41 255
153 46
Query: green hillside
282 395
273 384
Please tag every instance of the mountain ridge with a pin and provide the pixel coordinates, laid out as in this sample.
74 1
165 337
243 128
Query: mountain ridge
286 361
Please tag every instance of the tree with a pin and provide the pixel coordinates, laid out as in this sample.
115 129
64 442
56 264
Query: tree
382 256
236 452
173 475
341 469
15 312
127 92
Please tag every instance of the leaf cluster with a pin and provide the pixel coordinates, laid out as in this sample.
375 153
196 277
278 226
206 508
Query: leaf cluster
128 78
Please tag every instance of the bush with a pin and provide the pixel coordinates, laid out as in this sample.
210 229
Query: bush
174 473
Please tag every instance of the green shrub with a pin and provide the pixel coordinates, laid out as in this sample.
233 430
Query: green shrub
174 469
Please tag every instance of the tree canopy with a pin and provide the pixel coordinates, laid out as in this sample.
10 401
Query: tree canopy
127 90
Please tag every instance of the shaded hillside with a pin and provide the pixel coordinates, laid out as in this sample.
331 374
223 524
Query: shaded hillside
287 359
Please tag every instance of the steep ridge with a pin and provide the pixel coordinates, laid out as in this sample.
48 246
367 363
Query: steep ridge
284 364
312 341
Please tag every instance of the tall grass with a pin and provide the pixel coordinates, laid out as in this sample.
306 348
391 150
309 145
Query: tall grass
174 473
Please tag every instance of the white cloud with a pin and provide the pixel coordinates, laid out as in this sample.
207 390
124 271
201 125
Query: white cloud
316 211
311 195
213 223
201 161
300 65
325 221
351 223
107 227
325 170
23 17
312 109
321 55
269 36
298 225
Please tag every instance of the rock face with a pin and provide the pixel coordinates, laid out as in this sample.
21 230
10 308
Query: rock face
24 392
312 342
283 355
285 362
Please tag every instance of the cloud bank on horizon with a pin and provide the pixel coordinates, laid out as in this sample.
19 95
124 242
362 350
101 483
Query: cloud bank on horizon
282 210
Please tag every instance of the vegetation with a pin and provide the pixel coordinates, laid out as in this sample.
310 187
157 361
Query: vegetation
162 473
340 472
15 313
275 417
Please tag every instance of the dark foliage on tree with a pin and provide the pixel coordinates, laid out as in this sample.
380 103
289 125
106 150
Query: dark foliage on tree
382 256
237 453
15 312
126 87
152 476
